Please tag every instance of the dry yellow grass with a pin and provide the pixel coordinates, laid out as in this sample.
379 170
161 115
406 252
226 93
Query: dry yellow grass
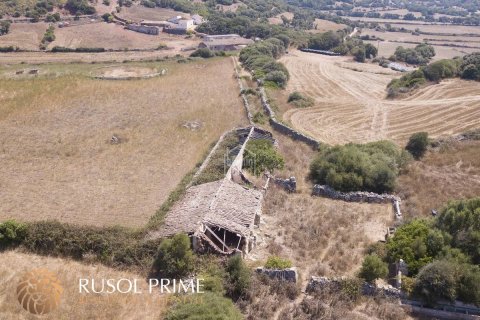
321 25
113 36
26 36
58 163
350 103
110 36
138 12
453 172
74 305
320 236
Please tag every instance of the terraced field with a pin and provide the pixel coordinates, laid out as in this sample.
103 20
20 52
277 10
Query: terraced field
351 105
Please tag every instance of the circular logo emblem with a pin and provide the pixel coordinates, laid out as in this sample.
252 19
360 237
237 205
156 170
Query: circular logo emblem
39 291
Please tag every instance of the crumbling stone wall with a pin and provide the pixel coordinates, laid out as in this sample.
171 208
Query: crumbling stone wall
321 283
359 196
143 29
289 274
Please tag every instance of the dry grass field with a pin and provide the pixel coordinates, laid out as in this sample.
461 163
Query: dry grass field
16 58
350 103
321 25
278 18
113 36
26 36
452 172
67 168
319 235
74 305
138 12
387 48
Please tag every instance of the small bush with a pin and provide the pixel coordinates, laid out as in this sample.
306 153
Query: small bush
203 52
299 100
261 155
204 306
417 144
275 262
238 279
175 257
12 233
373 268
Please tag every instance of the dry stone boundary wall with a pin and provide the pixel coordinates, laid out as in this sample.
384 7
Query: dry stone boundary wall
282 128
370 197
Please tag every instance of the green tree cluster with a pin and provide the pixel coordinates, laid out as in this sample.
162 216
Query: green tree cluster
443 253
260 58
175 258
261 155
421 54
359 167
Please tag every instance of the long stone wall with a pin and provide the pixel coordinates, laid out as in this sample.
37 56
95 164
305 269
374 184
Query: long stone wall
243 95
321 283
370 197
282 128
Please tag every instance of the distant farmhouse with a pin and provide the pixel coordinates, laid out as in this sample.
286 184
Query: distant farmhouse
174 25
224 42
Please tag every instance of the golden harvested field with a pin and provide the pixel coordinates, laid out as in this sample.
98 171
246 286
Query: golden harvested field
26 36
325 25
138 12
67 168
113 36
452 172
16 58
350 105
74 305
387 48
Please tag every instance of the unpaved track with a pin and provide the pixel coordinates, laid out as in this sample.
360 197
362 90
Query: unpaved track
351 105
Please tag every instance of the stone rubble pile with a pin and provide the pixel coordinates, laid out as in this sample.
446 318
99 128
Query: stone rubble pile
289 274
289 184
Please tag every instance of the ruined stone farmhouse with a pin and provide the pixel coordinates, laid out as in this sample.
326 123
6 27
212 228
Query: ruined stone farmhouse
220 216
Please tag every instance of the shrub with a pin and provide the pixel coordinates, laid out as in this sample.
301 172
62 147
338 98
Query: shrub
415 243
12 233
238 279
299 100
469 286
261 155
175 257
204 306
4 27
373 268
275 262
353 167
417 144
359 54
470 66
107 17
351 288
437 281
203 52
461 219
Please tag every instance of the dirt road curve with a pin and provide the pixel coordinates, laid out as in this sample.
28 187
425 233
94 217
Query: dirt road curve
350 103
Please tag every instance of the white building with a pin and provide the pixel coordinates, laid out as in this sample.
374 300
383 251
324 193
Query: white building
197 19
185 24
